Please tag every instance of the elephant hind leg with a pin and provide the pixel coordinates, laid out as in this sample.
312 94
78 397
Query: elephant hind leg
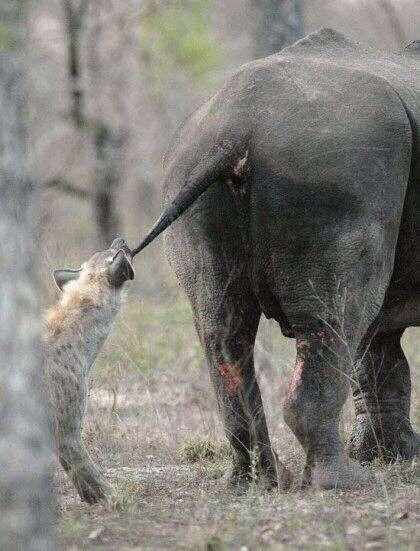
317 392
382 403
229 347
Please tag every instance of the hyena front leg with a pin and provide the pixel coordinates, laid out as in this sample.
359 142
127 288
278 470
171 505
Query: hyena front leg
68 391
88 480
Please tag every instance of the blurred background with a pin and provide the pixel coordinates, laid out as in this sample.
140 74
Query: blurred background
109 83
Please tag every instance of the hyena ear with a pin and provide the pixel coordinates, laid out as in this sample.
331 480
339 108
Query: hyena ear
61 277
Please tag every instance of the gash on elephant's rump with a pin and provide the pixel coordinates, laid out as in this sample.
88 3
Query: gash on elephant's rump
309 162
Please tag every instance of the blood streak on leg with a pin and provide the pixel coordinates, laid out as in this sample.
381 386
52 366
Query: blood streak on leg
232 377
240 165
303 347
296 377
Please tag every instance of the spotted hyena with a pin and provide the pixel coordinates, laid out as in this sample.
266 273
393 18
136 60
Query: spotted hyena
75 330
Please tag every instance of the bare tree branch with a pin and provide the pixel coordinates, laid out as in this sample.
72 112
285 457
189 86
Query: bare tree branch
279 24
67 187
73 22
107 142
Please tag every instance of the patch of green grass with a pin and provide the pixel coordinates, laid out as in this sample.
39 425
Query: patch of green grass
6 38
202 449
125 498
149 336
72 528
213 470
400 472
214 543
178 35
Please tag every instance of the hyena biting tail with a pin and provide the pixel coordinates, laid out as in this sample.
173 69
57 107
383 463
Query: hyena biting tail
74 332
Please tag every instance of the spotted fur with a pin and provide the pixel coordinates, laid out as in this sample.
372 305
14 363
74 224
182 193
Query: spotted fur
75 329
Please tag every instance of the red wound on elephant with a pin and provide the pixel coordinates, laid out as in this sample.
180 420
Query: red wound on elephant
232 377
296 377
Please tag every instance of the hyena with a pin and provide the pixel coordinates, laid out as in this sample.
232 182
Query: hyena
75 330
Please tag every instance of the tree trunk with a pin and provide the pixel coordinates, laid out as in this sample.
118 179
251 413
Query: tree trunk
279 23
107 147
107 144
25 450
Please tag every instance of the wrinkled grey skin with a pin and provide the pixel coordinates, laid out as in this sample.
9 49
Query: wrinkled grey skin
75 332
311 216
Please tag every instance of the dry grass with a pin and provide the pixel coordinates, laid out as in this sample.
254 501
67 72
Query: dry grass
152 425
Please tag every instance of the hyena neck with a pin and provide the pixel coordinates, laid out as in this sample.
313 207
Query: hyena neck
80 323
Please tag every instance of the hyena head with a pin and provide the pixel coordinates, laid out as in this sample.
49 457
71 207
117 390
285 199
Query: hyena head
105 271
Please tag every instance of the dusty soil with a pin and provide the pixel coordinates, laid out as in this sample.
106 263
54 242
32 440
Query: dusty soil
152 425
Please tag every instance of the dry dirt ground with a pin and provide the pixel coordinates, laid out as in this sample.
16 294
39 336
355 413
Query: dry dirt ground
152 426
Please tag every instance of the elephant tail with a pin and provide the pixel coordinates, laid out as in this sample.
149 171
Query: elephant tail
225 160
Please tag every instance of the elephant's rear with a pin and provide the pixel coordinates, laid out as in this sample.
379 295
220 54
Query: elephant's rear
329 153
307 159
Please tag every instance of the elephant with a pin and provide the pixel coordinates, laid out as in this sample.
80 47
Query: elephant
299 180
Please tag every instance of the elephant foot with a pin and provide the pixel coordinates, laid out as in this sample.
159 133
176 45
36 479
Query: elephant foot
385 436
239 478
266 477
340 473
274 475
